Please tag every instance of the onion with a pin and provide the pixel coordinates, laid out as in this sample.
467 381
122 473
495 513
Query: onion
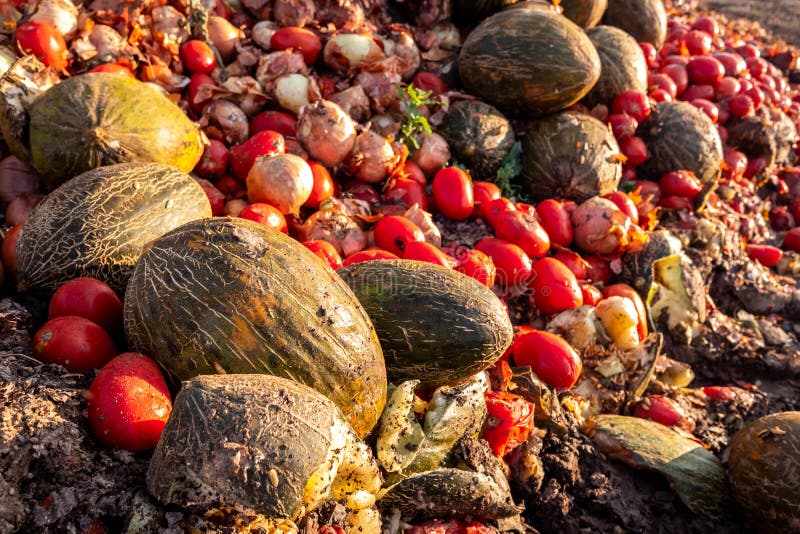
401 43
600 227
372 158
225 121
262 32
448 35
326 132
294 12
15 178
62 14
224 35
336 226
21 208
620 319
432 155
285 181
350 51
293 91
424 220
234 207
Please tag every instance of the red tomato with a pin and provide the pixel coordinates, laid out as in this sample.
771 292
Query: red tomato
698 91
496 208
635 149
215 197
369 255
277 121
764 254
509 421
74 342
626 291
129 403
553 360
662 81
524 231
680 184
554 286
748 51
625 205
198 57
555 219
757 67
650 54
741 106
733 63
725 393
483 193
676 203
412 171
323 185
477 265
40 39
301 39
114 68
659 95
230 186
193 92
424 251
709 108
393 232
265 215
326 251
728 88
599 270
362 191
678 74
660 409
756 95
406 191
791 241
528 209
591 295
518 331
428 81
264 143
452 190
8 251
512 264
707 24
573 262
215 160
91 299
697 42
622 125
705 70
633 103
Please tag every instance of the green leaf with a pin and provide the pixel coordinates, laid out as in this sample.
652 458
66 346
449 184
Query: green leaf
510 168
415 123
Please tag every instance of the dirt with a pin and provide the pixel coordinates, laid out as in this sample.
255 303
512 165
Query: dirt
781 18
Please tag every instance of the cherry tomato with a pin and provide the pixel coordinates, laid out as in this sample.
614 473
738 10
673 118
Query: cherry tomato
662 81
741 106
556 222
198 57
554 286
195 89
512 264
114 68
477 265
215 197
8 251
635 149
633 103
264 143
728 88
591 295
214 162
708 25
553 360
660 409
412 171
705 70
622 125
524 231
452 190
301 39
91 299
791 241
732 62
265 215
369 255
424 251
573 261
326 251
724 393
678 74
697 42
497 208
40 39
406 191
428 81
323 188
509 421
393 232
680 184
599 270
625 205
650 54
76 343
764 254
277 121
626 291
483 193
362 191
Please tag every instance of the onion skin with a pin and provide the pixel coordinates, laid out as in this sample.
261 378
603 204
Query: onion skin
284 181
600 227
432 155
349 51
326 132
16 178
372 158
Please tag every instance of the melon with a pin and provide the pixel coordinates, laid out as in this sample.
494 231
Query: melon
584 13
624 67
645 20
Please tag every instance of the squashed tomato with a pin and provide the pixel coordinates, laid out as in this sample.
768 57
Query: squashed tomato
508 423
326 251
477 265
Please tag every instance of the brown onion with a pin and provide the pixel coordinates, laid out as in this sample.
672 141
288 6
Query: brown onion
225 121
600 227
336 226
432 155
224 35
233 207
284 181
372 158
15 178
21 208
326 132
350 51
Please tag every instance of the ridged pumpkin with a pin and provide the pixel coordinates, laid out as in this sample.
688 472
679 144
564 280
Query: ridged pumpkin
98 223
645 20
528 62
624 67
584 13
228 295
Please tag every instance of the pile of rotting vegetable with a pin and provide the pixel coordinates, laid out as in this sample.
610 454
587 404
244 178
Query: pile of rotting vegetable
427 267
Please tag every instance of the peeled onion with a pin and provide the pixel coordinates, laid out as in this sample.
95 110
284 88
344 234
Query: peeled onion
349 51
372 158
292 91
15 178
432 155
600 227
284 181
224 35
326 132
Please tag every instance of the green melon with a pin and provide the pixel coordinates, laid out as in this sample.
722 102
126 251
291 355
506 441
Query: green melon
645 20
584 13
624 67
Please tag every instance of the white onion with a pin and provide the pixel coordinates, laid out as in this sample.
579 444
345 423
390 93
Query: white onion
62 14
350 51
372 158
291 91
326 132
284 181
15 178
432 155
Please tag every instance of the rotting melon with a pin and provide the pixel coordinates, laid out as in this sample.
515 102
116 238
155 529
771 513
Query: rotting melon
570 155
434 324
98 223
680 137
584 13
624 67
645 20
528 62
227 295
98 119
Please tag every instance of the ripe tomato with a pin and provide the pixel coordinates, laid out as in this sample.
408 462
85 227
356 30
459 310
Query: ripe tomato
661 410
791 241
698 91
198 57
424 251
40 39
519 330
573 261
650 54
626 291
725 393
412 171
8 251
497 208
114 68
361 191
394 231
406 191
757 67
477 265
555 219
662 81
709 108
553 360
599 270
369 255
554 287
625 205
622 125
728 88
764 254
277 121
452 190
195 89
214 162
591 295
483 193
215 197
732 62
91 299
509 421
524 231
266 215
129 403
512 264
323 188
74 342
680 184
633 103
326 251
428 81
635 149
301 39
659 95
741 106
708 25
705 70
264 143
697 42
678 74
676 203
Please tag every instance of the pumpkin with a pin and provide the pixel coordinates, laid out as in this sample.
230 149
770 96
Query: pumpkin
98 223
528 62
478 135
584 13
98 119
624 67
260 444
570 155
679 136
228 295
645 20
434 324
